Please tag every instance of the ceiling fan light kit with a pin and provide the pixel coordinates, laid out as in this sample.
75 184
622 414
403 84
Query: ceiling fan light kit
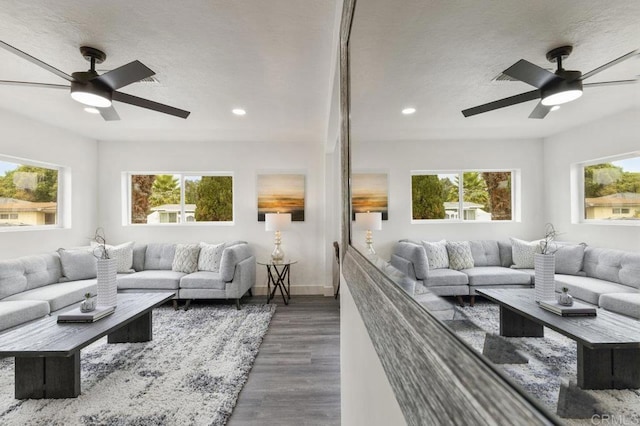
553 89
98 90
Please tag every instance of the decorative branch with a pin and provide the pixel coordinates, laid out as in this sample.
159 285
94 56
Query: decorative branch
547 245
101 249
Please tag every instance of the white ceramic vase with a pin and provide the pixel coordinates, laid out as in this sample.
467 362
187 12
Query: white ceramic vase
107 283
545 268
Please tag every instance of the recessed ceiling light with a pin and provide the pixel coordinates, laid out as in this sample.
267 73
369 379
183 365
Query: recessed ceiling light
555 108
408 111
238 111
92 110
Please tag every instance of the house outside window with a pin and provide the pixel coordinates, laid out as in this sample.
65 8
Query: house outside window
611 189
178 198
462 195
29 194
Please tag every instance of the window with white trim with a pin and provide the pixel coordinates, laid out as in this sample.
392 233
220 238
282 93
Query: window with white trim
29 194
466 195
178 198
611 189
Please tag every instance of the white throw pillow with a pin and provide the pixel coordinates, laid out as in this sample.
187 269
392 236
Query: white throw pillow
186 258
460 256
522 253
123 253
437 254
78 264
210 256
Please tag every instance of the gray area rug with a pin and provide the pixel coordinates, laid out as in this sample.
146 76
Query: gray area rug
190 373
551 360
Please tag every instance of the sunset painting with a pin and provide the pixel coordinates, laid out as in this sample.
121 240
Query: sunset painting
281 193
369 193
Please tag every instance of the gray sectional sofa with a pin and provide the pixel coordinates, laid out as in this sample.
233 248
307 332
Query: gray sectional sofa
32 287
607 278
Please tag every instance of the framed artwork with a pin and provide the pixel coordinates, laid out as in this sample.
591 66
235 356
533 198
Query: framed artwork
370 193
281 193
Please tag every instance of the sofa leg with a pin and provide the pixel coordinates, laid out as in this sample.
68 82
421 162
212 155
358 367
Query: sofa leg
250 293
472 301
187 304
175 304
238 304
460 301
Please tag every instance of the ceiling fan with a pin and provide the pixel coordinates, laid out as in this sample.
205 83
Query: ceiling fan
95 90
552 89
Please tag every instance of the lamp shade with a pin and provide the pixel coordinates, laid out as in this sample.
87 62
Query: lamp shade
369 221
276 221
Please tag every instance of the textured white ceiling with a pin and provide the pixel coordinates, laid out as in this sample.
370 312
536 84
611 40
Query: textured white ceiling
273 58
441 56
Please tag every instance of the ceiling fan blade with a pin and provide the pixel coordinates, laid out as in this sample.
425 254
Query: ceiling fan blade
146 103
109 113
610 83
540 111
530 73
124 75
609 64
512 100
36 61
29 83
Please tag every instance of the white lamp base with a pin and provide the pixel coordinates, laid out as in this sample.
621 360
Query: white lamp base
277 255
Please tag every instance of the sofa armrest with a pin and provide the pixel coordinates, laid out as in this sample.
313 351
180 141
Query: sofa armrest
416 254
231 256
243 280
403 265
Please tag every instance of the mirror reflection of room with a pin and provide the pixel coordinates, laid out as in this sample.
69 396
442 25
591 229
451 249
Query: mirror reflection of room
488 137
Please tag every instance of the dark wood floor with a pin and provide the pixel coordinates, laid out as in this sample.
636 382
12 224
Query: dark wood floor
296 377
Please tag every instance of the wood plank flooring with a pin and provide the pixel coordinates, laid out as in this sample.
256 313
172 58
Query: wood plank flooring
296 377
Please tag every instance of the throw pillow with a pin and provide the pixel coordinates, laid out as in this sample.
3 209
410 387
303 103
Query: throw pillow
460 256
79 264
522 252
123 253
186 258
210 256
437 254
569 258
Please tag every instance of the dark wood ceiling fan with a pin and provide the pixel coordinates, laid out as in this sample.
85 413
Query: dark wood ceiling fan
98 90
551 88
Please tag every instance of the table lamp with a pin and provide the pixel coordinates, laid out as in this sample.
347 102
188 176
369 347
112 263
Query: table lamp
369 222
277 222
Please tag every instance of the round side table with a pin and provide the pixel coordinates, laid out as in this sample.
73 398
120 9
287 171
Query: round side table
277 274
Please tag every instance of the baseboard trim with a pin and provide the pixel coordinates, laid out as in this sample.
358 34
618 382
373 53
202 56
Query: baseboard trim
307 290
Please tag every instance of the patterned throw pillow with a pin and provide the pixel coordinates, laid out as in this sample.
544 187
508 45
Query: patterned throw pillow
123 253
522 253
210 256
186 258
460 256
437 254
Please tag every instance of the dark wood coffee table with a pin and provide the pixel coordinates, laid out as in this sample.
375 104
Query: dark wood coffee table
47 354
608 344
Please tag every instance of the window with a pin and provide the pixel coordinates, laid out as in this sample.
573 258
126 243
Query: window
611 190
180 198
28 194
483 195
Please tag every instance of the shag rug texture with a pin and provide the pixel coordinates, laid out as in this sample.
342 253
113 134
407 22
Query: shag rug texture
190 373
551 359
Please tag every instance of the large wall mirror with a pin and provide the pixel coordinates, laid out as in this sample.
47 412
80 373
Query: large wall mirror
423 171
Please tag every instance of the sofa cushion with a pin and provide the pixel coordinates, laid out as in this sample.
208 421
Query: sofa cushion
506 253
59 295
203 279
210 257
459 255
42 269
17 312
159 256
437 254
613 265
153 279
139 252
621 303
416 254
445 277
589 289
12 277
77 264
485 253
522 253
186 258
496 275
569 258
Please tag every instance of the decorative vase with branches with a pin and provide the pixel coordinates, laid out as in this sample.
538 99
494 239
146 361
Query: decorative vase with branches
545 265
107 271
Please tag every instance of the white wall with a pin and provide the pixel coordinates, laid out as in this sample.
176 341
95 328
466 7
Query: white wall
304 241
24 138
618 134
398 159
